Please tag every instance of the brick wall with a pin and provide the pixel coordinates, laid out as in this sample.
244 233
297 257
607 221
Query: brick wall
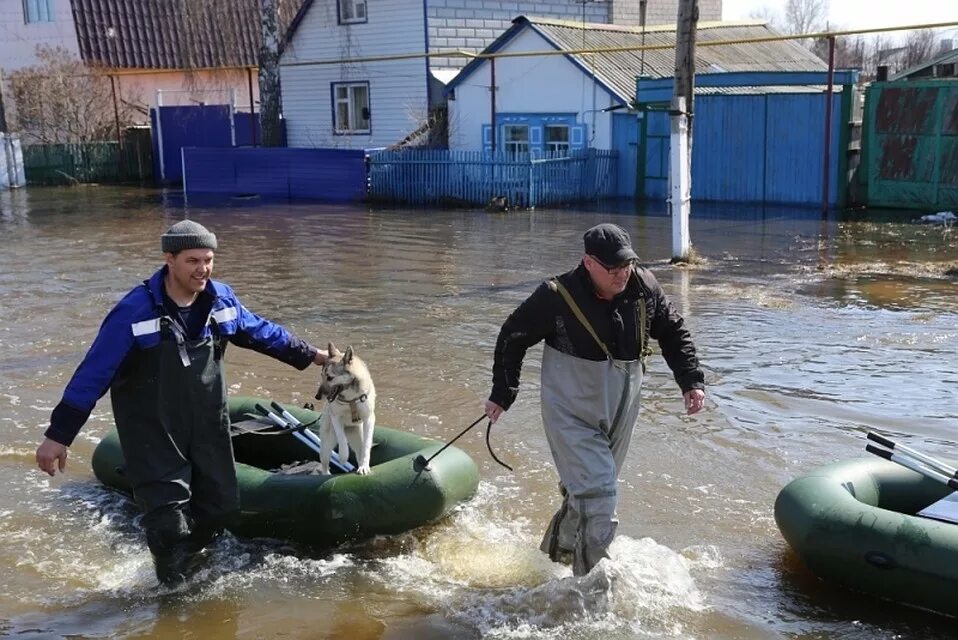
473 24
661 11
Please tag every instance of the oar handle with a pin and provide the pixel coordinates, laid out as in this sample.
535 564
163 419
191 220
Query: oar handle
908 463
934 463
304 434
272 416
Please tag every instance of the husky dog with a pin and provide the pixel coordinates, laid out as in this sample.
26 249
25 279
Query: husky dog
350 409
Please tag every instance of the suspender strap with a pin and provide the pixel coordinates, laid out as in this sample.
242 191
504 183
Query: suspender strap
555 285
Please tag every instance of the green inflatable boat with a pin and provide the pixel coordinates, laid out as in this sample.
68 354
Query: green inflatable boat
853 523
326 510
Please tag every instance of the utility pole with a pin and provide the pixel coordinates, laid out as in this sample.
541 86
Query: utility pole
680 150
269 95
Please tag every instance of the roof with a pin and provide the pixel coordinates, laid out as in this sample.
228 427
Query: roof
173 34
948 57
617 71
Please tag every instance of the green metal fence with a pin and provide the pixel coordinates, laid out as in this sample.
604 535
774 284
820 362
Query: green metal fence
106 162
912 144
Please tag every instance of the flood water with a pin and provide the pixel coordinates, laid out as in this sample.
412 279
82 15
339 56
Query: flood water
811 332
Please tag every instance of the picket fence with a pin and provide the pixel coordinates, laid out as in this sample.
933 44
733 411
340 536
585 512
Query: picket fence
475 178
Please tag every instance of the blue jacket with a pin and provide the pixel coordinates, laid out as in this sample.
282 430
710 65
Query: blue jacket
134 325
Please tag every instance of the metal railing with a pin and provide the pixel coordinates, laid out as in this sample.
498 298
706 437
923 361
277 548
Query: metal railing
475 178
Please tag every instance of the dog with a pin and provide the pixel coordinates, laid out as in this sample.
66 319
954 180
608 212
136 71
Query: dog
350 413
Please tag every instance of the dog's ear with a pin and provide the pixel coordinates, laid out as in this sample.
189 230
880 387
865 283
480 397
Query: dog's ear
348 357
333 351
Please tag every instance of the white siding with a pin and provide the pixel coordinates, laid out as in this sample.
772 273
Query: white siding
397 89
18 40
535 85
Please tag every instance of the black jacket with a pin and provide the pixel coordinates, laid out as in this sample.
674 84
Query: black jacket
545 316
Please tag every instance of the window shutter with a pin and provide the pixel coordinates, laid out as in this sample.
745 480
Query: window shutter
535 137
577 136
486 138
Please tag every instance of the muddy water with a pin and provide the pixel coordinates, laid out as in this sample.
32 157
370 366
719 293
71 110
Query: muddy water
811 332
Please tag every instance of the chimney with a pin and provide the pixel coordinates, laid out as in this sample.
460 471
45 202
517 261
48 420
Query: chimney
947 44
881 74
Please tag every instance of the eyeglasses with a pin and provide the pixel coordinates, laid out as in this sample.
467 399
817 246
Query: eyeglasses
617 269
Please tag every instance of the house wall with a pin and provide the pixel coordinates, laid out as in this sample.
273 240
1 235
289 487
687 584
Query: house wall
474 24
138 90
18 40
534 85
397 89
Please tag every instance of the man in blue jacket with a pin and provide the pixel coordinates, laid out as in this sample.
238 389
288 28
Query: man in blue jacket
160 353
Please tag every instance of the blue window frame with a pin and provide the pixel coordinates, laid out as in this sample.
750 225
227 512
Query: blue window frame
555 134
351 113
351 11
37 11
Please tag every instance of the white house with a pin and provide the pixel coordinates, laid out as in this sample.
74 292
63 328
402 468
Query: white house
332 100
565 102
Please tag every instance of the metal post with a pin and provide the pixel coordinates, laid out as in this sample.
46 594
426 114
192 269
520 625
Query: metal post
828 124
159 133
492 89
116 111
252 114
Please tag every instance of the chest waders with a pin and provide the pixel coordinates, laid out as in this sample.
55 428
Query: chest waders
589 410
169 403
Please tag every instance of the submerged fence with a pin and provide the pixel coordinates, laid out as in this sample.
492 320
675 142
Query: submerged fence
474 178
90 161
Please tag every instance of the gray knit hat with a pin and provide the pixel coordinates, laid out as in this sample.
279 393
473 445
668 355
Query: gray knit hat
187 234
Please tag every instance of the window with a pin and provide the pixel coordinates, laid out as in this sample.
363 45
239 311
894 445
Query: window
516 139
351 11
351 108
37 11
557 139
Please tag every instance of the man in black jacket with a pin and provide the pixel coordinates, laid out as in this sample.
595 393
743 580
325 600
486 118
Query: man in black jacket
596 321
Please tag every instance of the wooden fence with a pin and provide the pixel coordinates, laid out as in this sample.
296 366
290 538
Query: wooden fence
474 178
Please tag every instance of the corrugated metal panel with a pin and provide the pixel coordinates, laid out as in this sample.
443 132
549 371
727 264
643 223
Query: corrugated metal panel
751 149
795 134
332 175
912 144
727 149
620 69
625 139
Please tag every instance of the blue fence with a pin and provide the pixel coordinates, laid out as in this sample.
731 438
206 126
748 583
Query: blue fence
215 125
473 178
330 175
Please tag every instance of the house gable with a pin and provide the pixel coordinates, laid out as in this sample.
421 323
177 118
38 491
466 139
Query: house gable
396 90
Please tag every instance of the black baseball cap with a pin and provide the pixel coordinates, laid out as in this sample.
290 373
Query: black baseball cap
609 243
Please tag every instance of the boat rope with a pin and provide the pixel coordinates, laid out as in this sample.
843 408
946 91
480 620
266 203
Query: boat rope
422 463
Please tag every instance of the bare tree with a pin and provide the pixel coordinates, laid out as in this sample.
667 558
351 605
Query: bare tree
772 17
919 47
805 16
60 100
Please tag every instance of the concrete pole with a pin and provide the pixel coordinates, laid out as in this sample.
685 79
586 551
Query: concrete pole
680 161
680 186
